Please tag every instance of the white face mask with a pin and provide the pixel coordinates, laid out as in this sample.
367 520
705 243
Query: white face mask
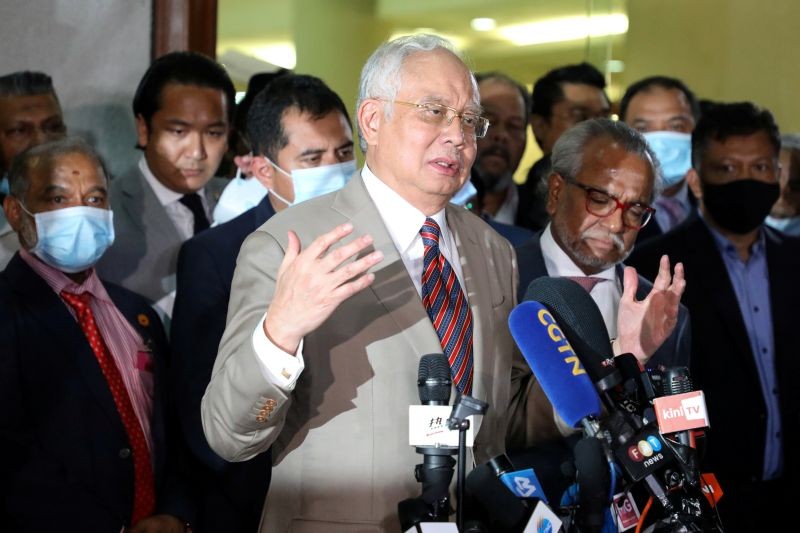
312 182
240 195
464 194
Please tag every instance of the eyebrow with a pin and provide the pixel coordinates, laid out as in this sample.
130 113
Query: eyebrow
179 122
318 151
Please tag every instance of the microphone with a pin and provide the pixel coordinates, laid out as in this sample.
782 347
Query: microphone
436 470
522 483
492 503
594 484
554 363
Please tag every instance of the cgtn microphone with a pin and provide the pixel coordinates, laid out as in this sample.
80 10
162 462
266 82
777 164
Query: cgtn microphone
554 363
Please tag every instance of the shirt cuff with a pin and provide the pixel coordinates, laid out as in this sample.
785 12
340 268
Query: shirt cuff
277 366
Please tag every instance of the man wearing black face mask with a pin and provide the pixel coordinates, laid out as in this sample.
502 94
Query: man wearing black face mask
742 289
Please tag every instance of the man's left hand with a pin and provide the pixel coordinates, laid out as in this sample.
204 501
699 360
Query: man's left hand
643 326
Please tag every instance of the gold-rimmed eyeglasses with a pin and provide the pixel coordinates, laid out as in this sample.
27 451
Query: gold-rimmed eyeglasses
442 116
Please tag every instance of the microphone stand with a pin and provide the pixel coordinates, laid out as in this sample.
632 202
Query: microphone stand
463 407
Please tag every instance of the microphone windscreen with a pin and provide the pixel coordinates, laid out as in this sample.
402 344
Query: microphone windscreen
433 379
553 362
594 483
676 380
492 503
580 320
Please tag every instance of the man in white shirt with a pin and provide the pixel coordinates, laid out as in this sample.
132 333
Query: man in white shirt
603 178
183 108
328 316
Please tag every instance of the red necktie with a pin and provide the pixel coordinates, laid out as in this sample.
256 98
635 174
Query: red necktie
587 282
447 308
143 484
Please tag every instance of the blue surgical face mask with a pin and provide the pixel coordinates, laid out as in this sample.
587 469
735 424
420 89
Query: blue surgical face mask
674 152
240 195
4 185
790 225
74 238
464 194
312 182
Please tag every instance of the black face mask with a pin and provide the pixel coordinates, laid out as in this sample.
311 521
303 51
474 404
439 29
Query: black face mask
742 205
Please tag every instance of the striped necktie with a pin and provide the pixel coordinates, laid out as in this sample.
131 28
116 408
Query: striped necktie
447 308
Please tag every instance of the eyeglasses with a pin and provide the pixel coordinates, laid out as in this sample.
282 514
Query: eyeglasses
635 215
442 116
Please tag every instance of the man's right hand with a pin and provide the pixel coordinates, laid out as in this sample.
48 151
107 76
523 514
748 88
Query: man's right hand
313 282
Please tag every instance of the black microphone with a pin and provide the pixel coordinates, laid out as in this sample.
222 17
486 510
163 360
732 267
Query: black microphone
594 484
492 503
436 471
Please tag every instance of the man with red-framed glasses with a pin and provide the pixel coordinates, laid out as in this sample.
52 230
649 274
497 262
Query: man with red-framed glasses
602 181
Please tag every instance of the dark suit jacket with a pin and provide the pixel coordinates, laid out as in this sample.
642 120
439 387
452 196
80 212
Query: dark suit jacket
531 210
66 456
231 493
675 350
144 255
653 230
722 360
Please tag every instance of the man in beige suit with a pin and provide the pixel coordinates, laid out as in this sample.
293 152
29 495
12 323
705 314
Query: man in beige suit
327 374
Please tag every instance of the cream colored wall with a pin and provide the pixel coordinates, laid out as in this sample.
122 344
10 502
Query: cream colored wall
728 50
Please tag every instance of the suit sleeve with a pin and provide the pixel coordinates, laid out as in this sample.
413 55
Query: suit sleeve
242 412
531 418
198 322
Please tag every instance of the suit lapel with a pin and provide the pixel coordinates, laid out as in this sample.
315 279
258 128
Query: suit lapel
142 208
713 277
476 273
392 286
54 320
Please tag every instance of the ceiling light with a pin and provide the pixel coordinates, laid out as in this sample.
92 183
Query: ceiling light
483 24
564 29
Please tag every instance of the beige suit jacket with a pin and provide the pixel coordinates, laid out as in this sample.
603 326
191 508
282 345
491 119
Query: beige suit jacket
340 439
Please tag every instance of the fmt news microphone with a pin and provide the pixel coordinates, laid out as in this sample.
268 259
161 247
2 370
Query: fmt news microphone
554 363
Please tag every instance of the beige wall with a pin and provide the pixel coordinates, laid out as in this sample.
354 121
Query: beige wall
727 50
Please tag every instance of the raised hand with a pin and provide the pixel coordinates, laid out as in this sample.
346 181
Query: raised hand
643 326
313 282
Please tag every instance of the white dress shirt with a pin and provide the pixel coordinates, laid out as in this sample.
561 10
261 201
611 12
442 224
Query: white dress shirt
403 222
605 294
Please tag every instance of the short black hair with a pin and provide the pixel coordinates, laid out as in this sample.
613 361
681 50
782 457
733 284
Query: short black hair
721 121
184 68
26 83
307 94
239 140
503 78
547 90
663 82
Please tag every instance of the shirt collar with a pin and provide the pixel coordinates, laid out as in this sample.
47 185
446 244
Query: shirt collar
402 220
58 281
559 264
164 194
725 246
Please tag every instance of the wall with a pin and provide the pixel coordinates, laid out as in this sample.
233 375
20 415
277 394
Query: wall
96 51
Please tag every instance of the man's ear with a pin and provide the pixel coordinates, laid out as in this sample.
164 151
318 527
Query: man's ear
142 131
263 171
13 212
556 186
539 126
370 115
693 180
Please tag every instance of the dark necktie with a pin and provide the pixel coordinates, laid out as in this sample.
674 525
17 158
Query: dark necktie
587 282
447 308
195 205
143 483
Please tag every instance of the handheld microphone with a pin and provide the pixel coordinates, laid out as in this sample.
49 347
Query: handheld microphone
522 483
554 363
594 484
436 470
